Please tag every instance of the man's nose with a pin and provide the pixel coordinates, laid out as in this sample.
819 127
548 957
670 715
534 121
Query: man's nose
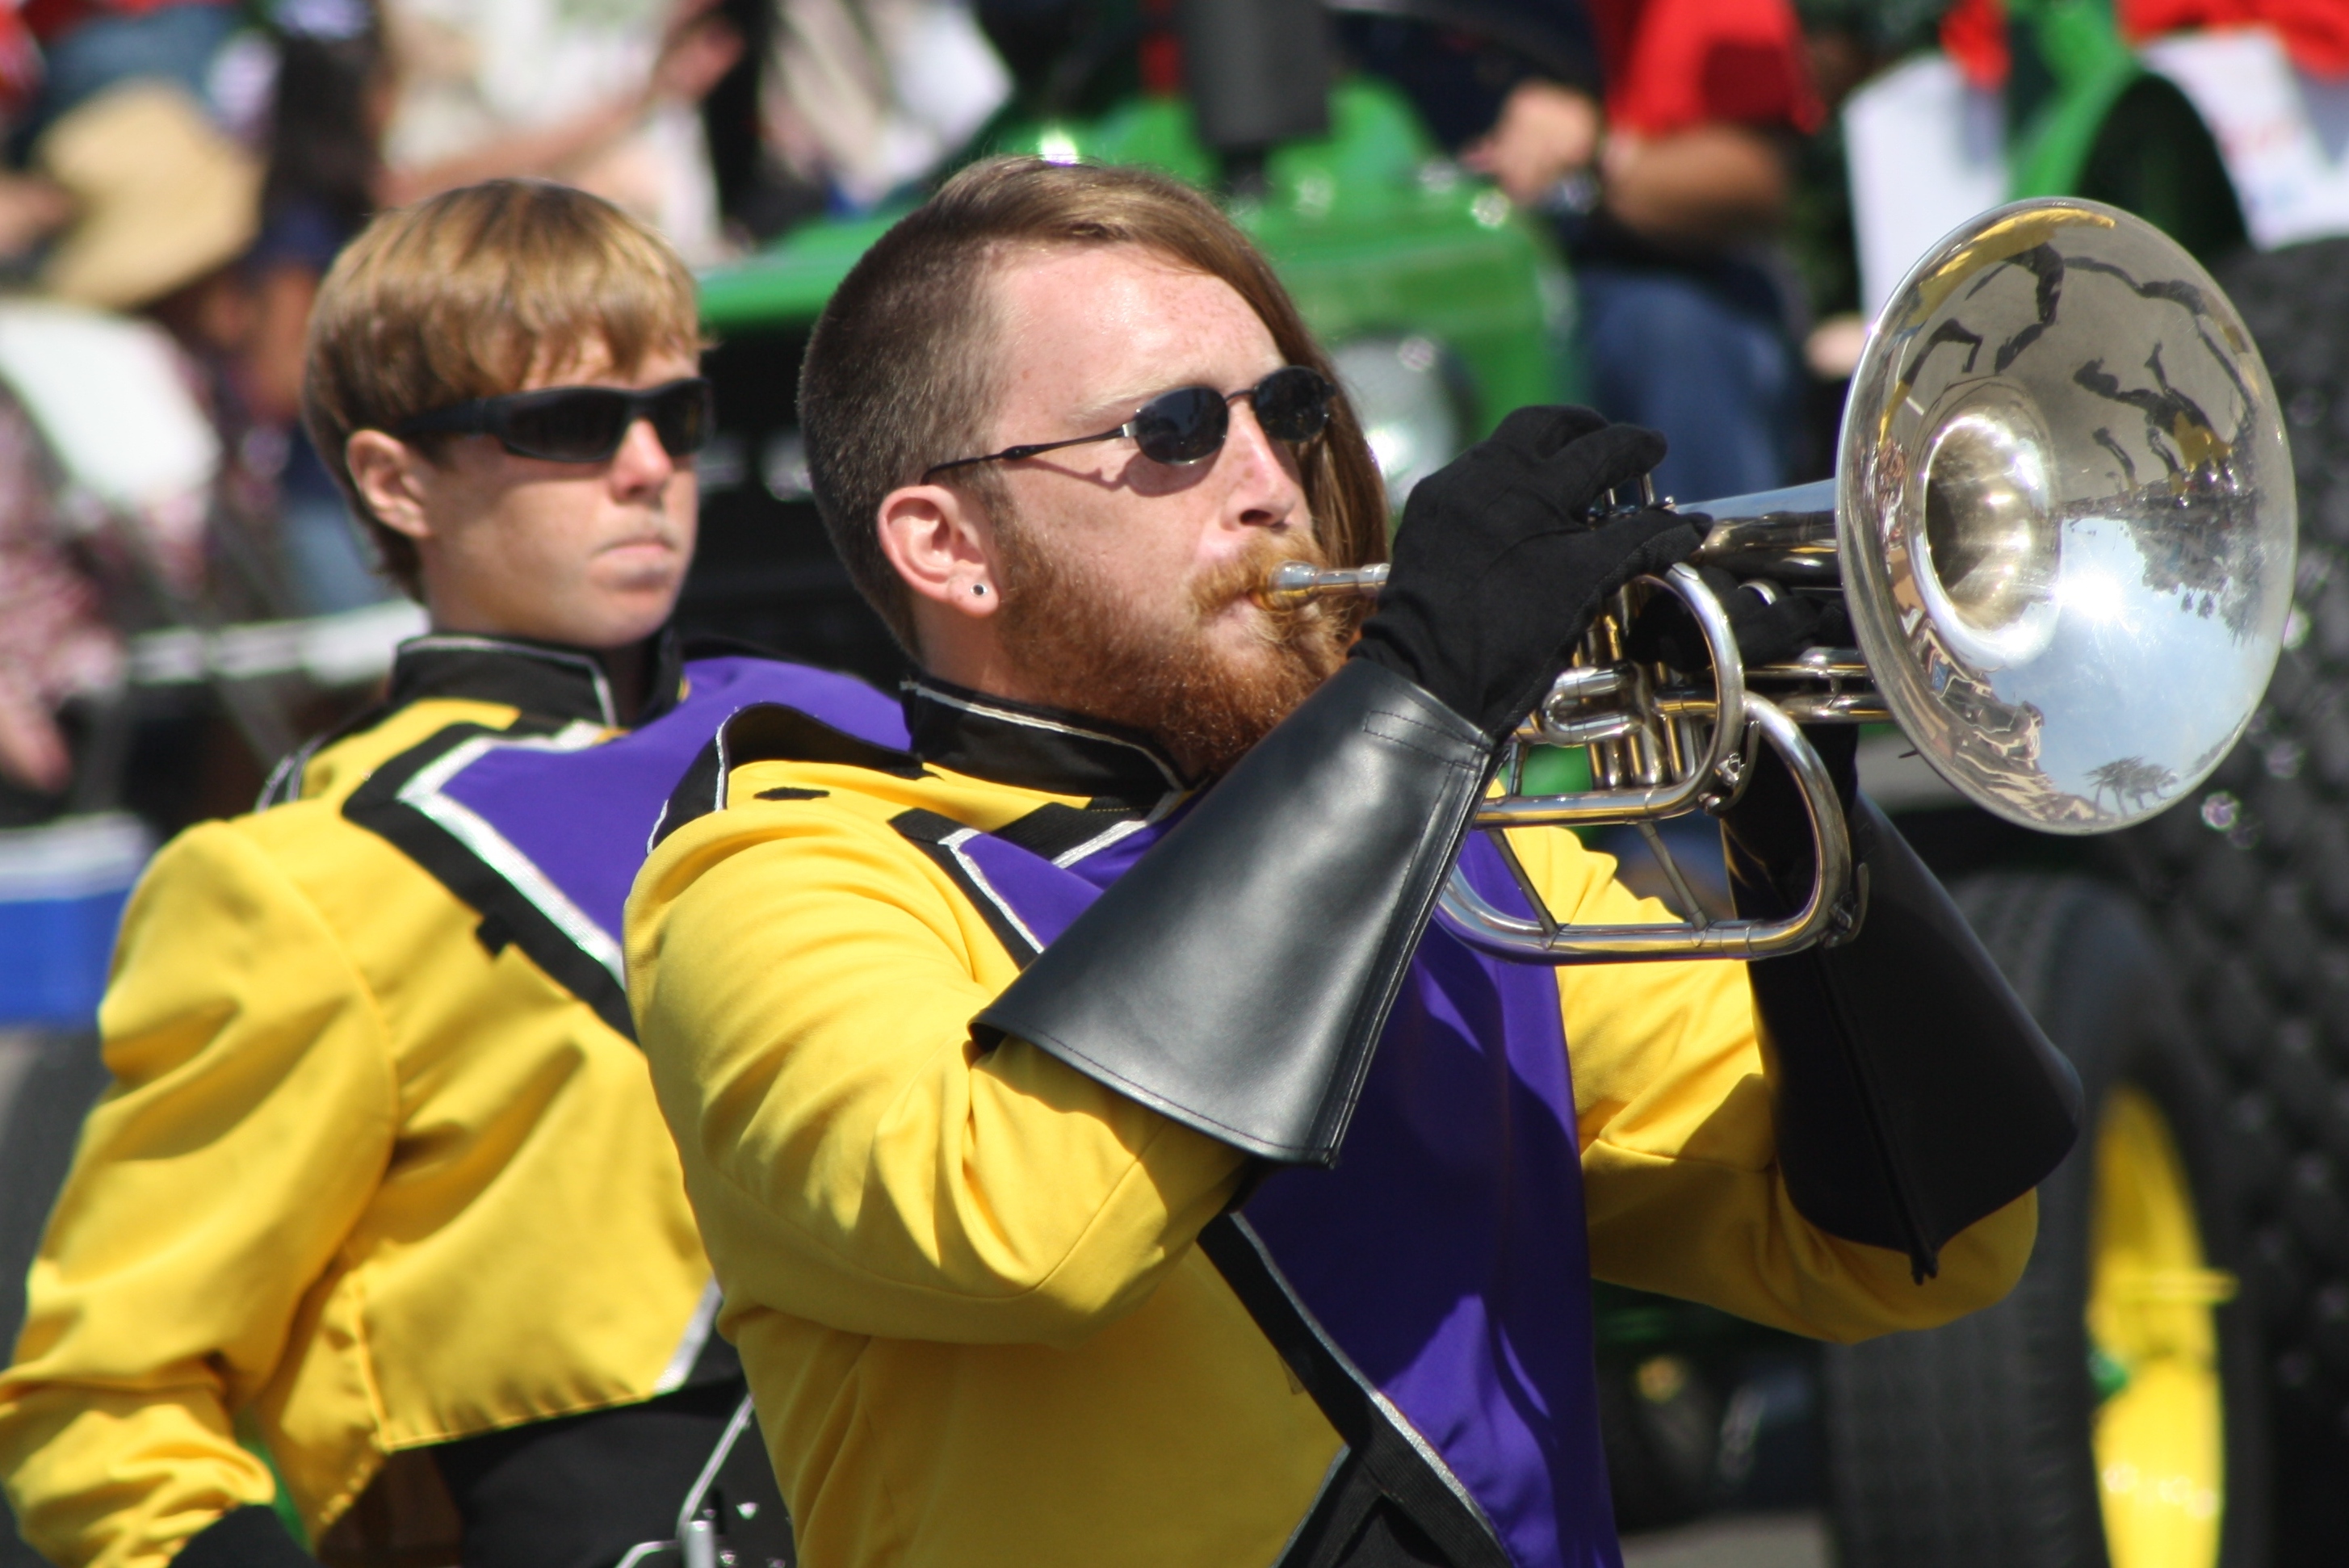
641 463
1264 494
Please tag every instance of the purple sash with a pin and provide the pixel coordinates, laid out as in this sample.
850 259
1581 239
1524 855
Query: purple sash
543 833
1445 1256
580 817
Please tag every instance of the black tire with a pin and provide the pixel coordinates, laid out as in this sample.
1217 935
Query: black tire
1970 1445
2250 881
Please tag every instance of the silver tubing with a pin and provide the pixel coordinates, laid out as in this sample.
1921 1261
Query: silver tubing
1295 582
1490 930
1716 771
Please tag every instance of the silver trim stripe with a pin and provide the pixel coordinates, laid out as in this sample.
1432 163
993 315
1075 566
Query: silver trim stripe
1410 1433
952 844
461 822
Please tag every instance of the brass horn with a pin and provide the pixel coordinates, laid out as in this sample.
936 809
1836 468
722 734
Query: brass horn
2062 525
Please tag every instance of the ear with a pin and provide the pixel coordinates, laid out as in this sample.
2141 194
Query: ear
386 472
942 543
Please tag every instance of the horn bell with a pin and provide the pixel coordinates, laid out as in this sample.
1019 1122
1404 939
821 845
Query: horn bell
2065 516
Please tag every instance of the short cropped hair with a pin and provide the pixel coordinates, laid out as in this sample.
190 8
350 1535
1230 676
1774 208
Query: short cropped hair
900 373
468 294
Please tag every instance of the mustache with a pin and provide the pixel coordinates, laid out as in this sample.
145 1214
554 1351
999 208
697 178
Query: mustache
1334 621
1216 590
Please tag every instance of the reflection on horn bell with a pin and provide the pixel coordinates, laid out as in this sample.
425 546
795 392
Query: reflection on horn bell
2062 525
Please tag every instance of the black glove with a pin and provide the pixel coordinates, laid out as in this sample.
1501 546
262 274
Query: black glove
1770 623
1767 833
1498 570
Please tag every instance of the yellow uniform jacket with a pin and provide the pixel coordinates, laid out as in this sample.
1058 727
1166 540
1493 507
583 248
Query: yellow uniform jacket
366 1178
961 1275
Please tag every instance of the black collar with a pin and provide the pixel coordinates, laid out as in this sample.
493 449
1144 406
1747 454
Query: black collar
545 680
1033 747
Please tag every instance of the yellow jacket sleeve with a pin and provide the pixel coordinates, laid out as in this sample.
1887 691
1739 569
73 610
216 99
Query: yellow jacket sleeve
1679 1156
251 1114
804 981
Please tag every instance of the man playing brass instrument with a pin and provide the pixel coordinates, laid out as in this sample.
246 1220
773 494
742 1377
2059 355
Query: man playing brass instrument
1011 1071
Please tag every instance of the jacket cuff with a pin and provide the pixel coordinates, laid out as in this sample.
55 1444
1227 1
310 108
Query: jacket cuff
1913 1093
1238 977
250 1537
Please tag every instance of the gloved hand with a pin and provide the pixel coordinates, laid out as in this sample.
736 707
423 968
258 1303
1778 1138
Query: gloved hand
1770 623
1497 570
1768 831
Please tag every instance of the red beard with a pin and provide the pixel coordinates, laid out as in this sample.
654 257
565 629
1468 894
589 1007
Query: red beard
1203 705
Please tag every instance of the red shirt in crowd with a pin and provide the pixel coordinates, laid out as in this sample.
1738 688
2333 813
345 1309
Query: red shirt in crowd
2315 32
1673 64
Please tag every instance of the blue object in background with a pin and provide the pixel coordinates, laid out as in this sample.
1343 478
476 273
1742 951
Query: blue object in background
62 888
1709 365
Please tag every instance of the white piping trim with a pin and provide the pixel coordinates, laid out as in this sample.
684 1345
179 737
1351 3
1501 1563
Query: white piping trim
1411 1433
1102 840
289 770
463 644
1113 833
953 843
1032 722
469 829
697 1334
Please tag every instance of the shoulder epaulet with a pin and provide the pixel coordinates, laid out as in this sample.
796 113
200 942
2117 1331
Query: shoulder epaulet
770 732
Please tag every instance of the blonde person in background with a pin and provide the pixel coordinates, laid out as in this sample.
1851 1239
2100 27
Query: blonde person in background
379 1183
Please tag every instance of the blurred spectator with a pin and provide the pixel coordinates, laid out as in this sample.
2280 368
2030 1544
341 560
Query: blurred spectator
600 97
1847 41
333 92
1663 156
54 640
1677 177
163 205
2315 32
88 46
864 96
161 200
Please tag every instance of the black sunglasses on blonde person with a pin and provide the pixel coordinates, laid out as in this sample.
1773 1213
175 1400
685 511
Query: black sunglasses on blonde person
579 424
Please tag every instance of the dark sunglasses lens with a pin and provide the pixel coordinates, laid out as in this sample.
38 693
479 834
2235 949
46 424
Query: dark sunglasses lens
1182 425
581 427
682 418
1292 404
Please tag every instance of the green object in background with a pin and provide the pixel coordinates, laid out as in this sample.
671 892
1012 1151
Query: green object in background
282 1502
2070 68
1368 227
2085 117
1557 770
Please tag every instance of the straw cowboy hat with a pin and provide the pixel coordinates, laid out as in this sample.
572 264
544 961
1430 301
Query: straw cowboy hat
162 196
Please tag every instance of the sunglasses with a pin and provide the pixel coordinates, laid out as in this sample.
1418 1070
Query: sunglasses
1188 425
579 424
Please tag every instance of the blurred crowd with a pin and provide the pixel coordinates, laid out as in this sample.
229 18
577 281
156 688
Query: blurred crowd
179 174
186 171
